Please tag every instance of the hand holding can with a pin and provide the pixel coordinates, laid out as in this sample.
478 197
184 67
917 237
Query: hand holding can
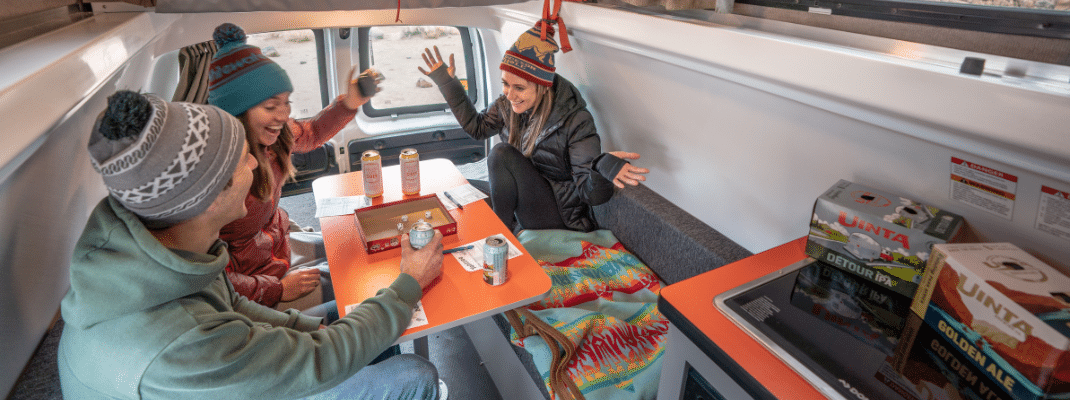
424 264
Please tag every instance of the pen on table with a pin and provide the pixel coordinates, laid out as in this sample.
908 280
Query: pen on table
459 205
456 249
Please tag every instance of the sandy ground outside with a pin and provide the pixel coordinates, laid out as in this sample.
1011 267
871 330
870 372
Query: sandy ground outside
395 53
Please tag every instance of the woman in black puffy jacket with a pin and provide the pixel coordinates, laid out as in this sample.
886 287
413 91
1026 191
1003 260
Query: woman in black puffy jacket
550 168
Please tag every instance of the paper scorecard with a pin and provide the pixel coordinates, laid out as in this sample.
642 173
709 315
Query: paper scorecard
419 317
464 194
472 259
333 206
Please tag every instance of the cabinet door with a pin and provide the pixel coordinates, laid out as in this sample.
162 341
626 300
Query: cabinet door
687 372
696 387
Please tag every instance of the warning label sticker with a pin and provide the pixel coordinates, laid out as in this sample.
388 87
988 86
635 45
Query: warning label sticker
1053 215
983 187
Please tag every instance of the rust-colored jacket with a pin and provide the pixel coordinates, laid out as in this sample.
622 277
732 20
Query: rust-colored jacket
259 243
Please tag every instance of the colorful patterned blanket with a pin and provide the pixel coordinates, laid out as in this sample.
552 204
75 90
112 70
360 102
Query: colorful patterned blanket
598 335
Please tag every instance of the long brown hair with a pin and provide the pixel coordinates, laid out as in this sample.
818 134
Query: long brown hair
263 181
525 141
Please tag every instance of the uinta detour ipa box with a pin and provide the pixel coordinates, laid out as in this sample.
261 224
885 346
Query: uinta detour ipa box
879 236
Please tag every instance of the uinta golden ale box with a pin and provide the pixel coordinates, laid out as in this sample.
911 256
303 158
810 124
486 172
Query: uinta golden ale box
1006 312
929 364
878 236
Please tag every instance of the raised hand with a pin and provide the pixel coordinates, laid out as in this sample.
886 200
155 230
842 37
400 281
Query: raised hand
361 88
435 61
629 174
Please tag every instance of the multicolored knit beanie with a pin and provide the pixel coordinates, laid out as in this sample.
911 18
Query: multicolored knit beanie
531 57
240 76
165 162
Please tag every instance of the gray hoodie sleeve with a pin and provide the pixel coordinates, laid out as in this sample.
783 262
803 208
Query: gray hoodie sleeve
226 356
257 312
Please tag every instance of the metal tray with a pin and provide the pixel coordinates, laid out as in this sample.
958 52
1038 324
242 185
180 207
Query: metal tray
833 361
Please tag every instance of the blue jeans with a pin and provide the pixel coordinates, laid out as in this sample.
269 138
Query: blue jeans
401 377
307 252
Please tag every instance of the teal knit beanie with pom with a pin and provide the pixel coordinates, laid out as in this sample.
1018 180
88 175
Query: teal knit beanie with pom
240 76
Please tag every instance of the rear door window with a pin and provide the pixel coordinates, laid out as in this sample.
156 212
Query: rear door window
395 52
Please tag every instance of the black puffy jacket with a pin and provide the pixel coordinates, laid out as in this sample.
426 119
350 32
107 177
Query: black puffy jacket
567 152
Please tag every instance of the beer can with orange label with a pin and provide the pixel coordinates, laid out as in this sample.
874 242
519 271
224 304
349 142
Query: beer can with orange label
371 166
410 171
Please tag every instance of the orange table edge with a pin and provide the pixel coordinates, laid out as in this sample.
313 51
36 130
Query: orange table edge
693 299
457 296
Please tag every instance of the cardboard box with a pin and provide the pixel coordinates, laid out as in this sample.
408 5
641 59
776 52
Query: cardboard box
861 308
378 224
1007 310
928 365
879 236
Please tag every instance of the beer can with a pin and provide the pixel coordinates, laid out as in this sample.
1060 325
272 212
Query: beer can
421 234
410 171
371 166
495 264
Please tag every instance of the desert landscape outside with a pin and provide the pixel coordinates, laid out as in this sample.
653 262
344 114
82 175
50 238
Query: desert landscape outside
396 53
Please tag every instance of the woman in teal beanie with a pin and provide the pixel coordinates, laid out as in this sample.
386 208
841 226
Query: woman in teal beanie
249 85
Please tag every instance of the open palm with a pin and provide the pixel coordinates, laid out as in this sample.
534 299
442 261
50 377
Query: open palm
435 61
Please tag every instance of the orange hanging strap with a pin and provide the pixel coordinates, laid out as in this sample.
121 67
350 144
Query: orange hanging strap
544 23
565 46
554 17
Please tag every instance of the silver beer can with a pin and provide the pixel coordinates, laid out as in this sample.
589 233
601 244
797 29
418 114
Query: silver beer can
495 261
421 234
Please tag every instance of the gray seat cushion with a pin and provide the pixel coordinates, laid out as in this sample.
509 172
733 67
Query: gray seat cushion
40 378
672 242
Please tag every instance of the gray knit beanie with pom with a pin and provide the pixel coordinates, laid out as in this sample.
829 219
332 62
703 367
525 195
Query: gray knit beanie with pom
164 161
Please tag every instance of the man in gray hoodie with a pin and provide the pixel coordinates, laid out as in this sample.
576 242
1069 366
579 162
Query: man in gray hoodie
150 312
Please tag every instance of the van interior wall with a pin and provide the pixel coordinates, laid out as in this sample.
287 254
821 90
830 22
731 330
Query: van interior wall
745 130
742 129
44 205
48 191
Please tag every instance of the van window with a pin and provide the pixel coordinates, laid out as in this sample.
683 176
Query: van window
1038 18
395 51
296 52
